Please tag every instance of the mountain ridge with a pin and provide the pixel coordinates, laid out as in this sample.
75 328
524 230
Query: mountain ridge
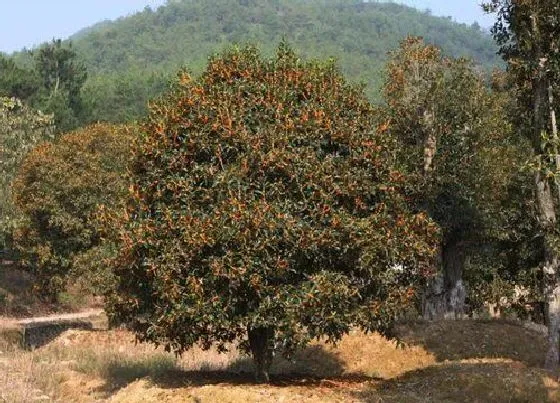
131 59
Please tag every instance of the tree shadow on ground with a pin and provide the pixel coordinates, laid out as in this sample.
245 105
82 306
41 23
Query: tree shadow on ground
455 361
37 336
466 382
459 340
310 367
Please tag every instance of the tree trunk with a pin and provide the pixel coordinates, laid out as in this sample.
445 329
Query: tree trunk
445 295
454 257
552 291
551 269
261 344
434 306
542 93
433 298
554 125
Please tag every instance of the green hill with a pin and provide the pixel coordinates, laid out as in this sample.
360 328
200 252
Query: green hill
130 59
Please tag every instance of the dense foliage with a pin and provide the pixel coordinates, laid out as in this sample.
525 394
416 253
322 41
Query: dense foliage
58 190
528 32
21 128
456 141
122 97
17 82
130 60
50 79
269 202
266 208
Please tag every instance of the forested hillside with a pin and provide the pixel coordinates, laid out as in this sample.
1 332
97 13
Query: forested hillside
129 60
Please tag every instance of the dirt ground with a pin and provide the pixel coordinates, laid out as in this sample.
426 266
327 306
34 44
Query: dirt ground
463 361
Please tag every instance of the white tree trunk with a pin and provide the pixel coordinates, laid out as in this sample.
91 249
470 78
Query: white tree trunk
553 314
430 144
551 269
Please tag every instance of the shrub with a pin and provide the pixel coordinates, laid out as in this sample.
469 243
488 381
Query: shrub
58 190
21 129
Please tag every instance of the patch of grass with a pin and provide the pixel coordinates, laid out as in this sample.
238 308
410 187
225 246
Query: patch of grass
24 378
11 338
120 370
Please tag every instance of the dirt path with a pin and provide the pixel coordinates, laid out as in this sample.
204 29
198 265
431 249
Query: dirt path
6 321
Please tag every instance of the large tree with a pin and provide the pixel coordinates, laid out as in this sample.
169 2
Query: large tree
454 139
267 209
529 35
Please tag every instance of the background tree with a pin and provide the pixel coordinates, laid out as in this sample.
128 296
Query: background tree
62 76
58 191
528 33
121 55
265 208
21 128
17 82
130 90
51 79
456 142
506 265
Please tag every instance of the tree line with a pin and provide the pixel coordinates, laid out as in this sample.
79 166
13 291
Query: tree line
130 61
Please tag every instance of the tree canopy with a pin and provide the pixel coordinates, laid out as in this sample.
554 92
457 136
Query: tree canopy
455 140
267 208
528 32
50 79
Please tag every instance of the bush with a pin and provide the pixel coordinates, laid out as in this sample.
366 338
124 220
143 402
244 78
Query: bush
21 129
266 208
58 190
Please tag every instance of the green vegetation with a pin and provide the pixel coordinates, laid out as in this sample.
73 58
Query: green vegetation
21 128
130 61
186 32
457 143
528 35
51 81
274 200
58 190
266 208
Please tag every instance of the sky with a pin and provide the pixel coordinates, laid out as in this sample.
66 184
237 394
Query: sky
467 11
26 23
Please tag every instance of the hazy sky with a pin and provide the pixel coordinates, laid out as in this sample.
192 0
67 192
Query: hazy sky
31 22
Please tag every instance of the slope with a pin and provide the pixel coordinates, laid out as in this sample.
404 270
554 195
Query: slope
130 59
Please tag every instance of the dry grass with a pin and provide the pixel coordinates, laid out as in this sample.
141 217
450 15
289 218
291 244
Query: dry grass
485 380
477 339
25 378
444 362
